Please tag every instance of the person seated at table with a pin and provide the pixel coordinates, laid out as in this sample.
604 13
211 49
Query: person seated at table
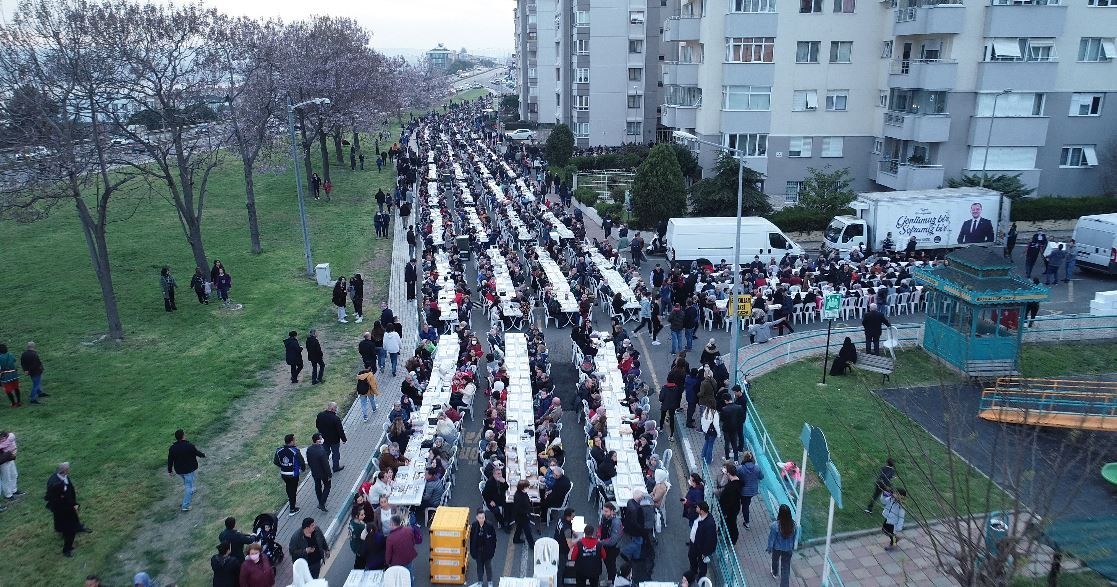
607 468
410 389
492 465
494 421
554 495
597 450
620 337
427 333
439 456
643 448
580 334
360 502
551 447
433 489
391 459
384 482
598 421
446 430
553 412
587 367
491 451
847 355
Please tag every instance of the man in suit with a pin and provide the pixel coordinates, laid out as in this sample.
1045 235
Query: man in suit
703 540
873 323
333 433
294 355
318 460
976 229
62 501
410 276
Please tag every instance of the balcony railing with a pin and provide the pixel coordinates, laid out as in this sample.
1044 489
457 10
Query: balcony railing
894 118
892 166
903 66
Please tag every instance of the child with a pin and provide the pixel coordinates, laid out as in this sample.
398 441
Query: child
893 515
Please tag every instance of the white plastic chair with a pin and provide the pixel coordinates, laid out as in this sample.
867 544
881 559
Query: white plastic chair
565 504
397 576
903 303
546 561
708 318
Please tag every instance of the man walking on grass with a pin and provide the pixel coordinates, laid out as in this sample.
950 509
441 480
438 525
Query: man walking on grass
314 354
182 459
293 353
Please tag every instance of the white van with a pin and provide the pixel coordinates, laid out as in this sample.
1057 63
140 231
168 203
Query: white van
1096 240
690 239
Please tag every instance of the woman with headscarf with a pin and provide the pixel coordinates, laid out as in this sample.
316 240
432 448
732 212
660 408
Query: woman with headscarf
662 486
846 356
709 353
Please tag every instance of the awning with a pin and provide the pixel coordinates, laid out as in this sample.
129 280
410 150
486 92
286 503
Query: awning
1090 154
1007 47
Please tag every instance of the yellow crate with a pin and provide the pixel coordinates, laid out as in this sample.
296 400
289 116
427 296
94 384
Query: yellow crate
458 550
450 522
449 576
446 564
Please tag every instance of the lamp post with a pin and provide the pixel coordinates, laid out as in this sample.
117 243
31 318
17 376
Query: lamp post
298 175
989 133
740 156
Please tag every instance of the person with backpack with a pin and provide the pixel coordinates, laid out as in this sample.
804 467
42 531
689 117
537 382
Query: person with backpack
291 464
588 555
367 390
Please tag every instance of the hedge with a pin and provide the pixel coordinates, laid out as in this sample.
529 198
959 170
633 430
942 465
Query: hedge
609 210
586 196
799 219
1056 208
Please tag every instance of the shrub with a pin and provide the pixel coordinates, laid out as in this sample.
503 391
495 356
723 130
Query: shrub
611 210
1056 208
800 219
586 196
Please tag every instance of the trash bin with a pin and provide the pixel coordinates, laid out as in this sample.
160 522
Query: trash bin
322 273
996 529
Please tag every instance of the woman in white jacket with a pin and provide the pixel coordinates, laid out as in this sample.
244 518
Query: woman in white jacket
711 428
392 344
893 515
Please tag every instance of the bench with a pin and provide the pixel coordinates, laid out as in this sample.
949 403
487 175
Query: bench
876 364
990 368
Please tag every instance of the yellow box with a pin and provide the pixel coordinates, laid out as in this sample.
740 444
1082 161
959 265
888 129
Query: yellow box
446 551
450 522
446 564
449 576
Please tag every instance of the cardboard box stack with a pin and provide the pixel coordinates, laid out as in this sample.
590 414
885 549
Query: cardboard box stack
449 545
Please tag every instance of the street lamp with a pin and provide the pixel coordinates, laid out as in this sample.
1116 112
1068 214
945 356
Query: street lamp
989 133
740 156
298 176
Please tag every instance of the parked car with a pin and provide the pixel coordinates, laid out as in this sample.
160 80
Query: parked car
521 134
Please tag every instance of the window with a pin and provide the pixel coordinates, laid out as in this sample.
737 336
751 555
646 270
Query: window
1078 156
634 100
809 6
749 49
1003 158
836 100
844 6
581 102
582 46
581 18
804 100
636 16
878 146
581 129
791 192
751 144
686 96
1010 105
1040 50
636 46
1096 49
746 97
752 5
1101 3
531 72
635 74
800 147
832 146
841 51
1085 104
634 128
886 49
882 99
582 75
807 51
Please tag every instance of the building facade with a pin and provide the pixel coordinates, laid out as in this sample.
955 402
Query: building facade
440 57
904 93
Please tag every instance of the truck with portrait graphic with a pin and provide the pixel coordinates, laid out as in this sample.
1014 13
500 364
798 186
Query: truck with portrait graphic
940 220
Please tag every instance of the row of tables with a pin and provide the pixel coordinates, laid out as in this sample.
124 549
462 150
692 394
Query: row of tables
521 460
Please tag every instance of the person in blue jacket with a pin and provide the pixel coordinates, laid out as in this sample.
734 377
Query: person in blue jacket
750 475
781 543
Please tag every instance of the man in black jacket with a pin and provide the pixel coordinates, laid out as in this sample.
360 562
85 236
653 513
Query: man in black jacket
314 355
294 355
234 538
182 459
732 425
482 547
62 501
318 459
556 497
410 276
873 323
333 433
670 398
291 464
705 541
367 349
309 544
33 366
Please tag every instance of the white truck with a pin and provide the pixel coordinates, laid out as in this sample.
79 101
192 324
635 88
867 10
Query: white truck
1095 239
690 239
940 219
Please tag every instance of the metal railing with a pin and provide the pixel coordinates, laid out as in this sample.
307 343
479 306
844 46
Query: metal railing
903 66
894 118
724 567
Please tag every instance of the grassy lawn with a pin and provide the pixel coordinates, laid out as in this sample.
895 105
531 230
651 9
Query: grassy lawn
469 94
113 407
1080 579
860 427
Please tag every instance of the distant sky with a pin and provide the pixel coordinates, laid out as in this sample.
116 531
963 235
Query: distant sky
406 24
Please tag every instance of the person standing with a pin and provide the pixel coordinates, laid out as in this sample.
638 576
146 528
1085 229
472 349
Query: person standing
399 548
1032 308
732 425
310 545
315 185
167 283
1054 263
410 276
1071 261
294 355
357 296
609 536
1010 241
62 501
200 285
182 459
750 475
564 535
392 343
291 464
225 566
873 323
703 540
257 570
367 349
223 282
33 366
9 475
882 484
234 538
1031 254
9 377
670 399
894 513
361 159
339 299
730 500
482 547
711 430
677 321
781 544
588 554
318 460
521 514
314 355
333 433
412 240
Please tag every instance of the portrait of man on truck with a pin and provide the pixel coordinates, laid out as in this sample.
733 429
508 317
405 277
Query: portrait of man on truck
976 229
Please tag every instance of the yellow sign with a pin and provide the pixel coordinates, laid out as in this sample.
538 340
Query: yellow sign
743 305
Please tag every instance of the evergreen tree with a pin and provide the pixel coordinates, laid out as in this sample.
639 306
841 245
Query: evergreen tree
717 195
827 191
1009 185
658 191
560 145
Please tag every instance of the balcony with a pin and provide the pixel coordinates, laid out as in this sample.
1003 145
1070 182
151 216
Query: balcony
947 17
1025 20
923 128
1014 130
680 74
751 24
930 74
904 176
1022 76
678 28
680 116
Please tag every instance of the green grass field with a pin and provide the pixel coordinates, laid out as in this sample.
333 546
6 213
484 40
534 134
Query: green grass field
113 407
860 427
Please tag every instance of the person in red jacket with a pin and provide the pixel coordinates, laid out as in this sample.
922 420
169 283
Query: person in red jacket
399 549
589 557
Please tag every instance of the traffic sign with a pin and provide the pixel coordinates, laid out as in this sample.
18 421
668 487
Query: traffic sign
831 304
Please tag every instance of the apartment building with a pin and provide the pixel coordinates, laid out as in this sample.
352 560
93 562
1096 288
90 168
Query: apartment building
905 95
594 68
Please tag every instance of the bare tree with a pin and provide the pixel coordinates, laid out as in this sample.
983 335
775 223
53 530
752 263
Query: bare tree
54 48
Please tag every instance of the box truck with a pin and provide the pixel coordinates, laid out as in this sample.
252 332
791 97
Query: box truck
690 239
940 219
1095 237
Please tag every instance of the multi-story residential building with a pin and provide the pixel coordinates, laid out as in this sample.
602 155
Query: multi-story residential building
595 70
906 95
